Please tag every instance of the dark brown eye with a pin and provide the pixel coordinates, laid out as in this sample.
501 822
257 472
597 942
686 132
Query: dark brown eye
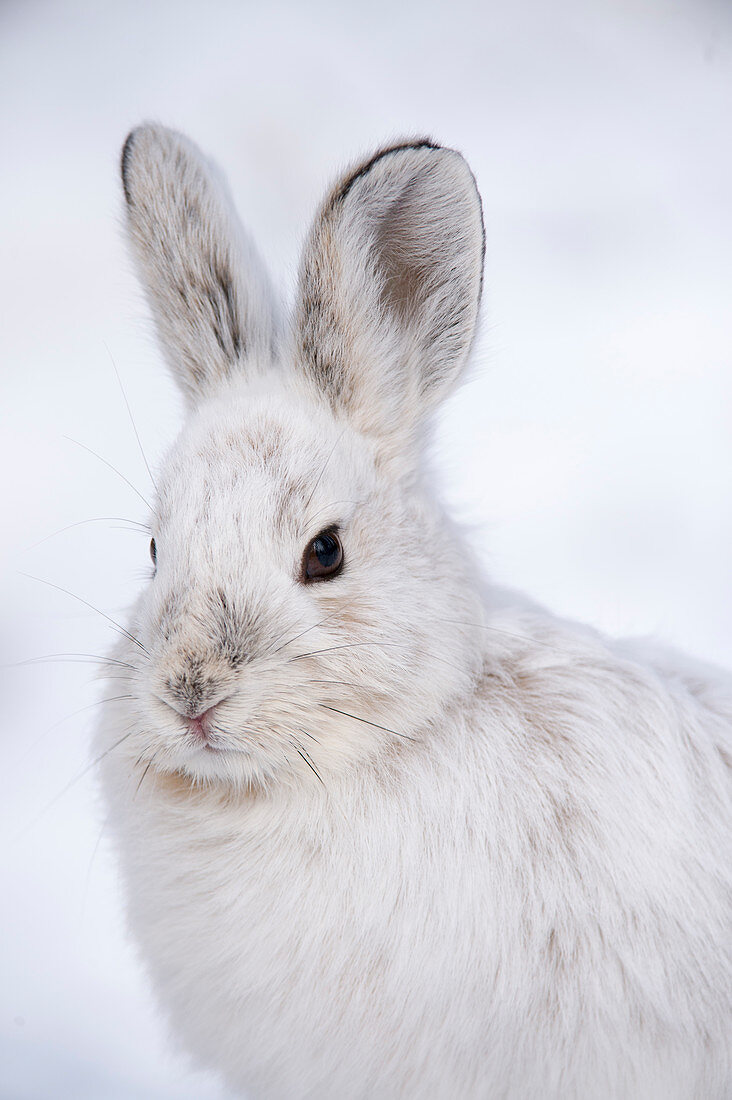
153 552
323 558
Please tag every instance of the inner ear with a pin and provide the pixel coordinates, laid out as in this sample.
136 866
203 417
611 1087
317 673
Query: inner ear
402 258
389 289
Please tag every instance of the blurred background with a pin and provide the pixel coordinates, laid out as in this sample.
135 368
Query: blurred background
590 452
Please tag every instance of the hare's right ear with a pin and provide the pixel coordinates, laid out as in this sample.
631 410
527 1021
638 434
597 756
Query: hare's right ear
389 290
210 296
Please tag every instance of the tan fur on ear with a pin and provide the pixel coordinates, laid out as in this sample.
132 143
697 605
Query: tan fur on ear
208 290
389 288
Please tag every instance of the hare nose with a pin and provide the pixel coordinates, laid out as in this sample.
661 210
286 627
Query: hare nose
191 693
200 724
196 714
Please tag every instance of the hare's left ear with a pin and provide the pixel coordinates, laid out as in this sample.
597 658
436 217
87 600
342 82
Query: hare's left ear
389 289
210 295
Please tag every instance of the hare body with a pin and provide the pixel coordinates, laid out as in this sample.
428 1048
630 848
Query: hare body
390 833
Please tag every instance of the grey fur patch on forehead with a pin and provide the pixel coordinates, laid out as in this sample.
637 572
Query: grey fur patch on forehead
242 442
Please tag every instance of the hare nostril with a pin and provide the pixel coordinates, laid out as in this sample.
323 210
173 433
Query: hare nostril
198 718
202 715
191 691
200 724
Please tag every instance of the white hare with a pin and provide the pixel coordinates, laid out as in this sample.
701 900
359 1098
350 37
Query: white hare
386 831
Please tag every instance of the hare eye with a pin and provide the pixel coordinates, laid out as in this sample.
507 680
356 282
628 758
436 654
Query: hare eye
323 558
153 552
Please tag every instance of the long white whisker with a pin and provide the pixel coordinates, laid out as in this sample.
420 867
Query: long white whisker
97 702
496 630
86 603
325 464
348 645
75 658
132 419
95 519
76 779
303 632
111 467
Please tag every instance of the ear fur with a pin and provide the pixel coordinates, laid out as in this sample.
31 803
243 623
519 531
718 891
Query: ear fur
209 293
389 288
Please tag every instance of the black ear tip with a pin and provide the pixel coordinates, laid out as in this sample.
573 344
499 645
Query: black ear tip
125 162
404 145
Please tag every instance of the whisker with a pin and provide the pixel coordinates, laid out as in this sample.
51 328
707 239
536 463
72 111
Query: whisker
72 782
367 722
132 419
94 519
142 777
304 756
284 645
89 706
349 645
111 748
75 658
325 464
333 504
343 683
97 702
397 645
275 611
303 632
86 603
111 467
87 880
497 630
120 676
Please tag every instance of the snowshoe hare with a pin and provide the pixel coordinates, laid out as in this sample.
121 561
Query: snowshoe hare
385 830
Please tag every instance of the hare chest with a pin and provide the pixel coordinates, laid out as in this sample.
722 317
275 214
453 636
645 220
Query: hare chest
359 946
309 963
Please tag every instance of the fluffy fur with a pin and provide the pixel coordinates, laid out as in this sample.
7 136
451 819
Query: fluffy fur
439 843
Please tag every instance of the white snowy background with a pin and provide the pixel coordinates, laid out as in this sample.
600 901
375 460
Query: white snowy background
591 452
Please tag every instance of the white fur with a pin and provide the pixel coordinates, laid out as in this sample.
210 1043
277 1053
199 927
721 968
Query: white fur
510 876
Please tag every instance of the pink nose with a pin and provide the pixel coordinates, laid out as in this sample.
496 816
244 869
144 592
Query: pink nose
200 724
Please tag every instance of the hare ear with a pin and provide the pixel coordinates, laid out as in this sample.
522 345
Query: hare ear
390 286
209 293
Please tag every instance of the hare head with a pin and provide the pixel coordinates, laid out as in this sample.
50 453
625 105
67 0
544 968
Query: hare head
309 607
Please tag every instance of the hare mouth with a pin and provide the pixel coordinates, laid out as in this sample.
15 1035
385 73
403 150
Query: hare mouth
214 743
